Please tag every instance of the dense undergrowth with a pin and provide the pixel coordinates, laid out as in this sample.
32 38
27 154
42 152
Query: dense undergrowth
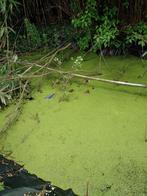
97 26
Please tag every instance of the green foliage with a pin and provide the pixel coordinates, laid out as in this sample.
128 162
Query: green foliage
137 34
9 88
85 22
4 32
4 86
49 37
107 31
4 98
6 11
77 62
30 38
95 26
1 186
7 6
99 29
84 41
57 35
86 17
96 30
44 40
32 34
125 3
74 6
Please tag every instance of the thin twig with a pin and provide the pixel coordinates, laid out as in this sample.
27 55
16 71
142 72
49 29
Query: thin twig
72 74
93 78
87 189
53 56
145 135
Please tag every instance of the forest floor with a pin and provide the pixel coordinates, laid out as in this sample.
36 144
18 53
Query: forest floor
91 133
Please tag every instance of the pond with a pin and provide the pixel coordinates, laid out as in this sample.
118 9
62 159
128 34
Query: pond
96 136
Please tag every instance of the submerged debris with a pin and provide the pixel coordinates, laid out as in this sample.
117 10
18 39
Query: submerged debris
87 91
50 96
71 90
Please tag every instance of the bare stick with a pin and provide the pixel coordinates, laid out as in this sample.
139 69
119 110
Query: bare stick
145 135
87 189
93 78
53 56
74 75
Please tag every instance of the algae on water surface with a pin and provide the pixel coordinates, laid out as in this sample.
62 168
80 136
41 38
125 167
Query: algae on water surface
96 137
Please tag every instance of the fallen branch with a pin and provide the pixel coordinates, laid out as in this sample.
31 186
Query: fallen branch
52 57
24 76
92 78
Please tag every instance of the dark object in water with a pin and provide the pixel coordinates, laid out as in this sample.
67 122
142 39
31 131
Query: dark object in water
87 91
138 51
133 50
18 182
50 96
30 98
110 52
71 90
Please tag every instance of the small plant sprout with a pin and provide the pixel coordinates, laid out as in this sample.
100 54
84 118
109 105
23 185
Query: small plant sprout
78 62
58 61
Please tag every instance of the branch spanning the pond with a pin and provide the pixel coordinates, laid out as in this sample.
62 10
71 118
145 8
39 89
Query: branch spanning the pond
91 78
50 70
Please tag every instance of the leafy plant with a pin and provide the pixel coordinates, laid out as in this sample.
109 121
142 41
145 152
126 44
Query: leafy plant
107 31
77 63
1 186
137 34
85 22
105 35
97 31
6 10
84 41
44 40
32 34
9 88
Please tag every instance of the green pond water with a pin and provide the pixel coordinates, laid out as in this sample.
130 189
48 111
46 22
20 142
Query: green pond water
97 136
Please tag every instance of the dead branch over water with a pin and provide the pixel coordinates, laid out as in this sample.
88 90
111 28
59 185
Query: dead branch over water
50 70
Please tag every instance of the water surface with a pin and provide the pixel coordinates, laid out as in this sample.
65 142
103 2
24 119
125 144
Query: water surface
96 136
